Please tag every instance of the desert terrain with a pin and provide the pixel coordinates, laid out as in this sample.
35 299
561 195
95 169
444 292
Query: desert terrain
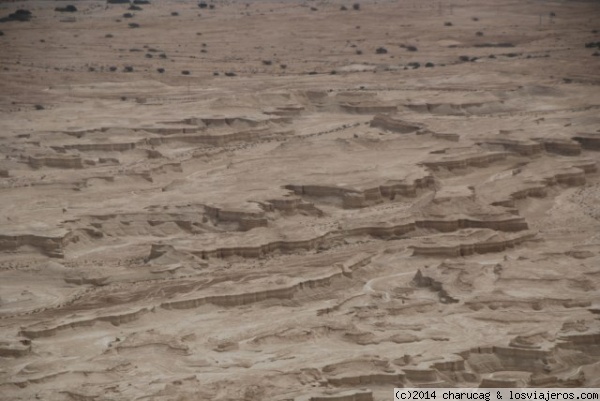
297 200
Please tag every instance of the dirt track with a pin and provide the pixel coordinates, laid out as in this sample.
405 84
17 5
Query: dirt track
300 216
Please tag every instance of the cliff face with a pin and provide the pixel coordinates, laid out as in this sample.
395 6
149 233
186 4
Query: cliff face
473 244
56 161
560 146
359 198
458 162
51 246
390 123
343 396
48 331
588 141
100 147
522 147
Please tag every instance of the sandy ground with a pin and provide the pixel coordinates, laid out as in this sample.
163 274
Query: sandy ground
285 212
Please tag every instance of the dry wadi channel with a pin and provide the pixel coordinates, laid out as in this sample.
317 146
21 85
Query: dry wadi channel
297 200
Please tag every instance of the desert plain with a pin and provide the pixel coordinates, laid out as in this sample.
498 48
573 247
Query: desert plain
297 200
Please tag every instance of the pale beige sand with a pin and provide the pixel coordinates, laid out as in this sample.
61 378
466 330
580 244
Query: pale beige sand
324 225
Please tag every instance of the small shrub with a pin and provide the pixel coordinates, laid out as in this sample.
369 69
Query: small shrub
230 74
134 25
112 69
185 72
356 6
359 52
343 8
109 35
148 55
475 19
381 50
128 68
203 51
67 9
91 69
502 44
160 70
464 58
141 2
174 14
202 4
211 6
22 12
312 73
162 55
333 72
216 73
479 33
39 107
133 7
20 15
267 62
283 66
414 65
429 65
596 54
491 56
448 23
1 33
411 48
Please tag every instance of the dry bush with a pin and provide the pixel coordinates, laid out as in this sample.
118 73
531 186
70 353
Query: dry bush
67 9
20 15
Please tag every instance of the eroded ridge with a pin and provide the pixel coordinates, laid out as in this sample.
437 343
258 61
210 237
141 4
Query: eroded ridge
280 201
